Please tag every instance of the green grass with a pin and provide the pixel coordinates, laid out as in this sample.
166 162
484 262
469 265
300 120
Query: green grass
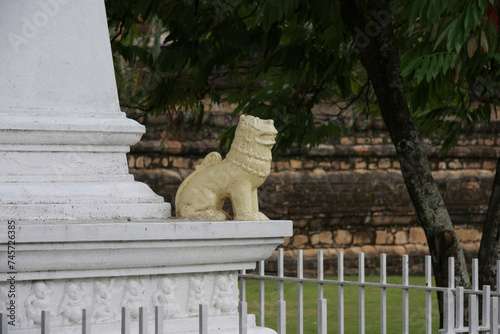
372 306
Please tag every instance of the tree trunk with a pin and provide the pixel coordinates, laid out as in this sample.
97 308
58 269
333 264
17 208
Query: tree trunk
379 55
490 241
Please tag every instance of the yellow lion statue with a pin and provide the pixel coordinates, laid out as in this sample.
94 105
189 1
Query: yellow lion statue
247 165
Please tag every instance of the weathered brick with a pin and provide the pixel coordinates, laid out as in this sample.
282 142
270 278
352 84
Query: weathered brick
326 237
345 165
467 235
343 237
488 164
400 238
455 164
300 240
282 165
315 239
178 162
360 164
369 250
384 238
417 236
139 162
362 238
131 161
384 163
346 141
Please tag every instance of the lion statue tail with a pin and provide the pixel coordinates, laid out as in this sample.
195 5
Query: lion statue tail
212 159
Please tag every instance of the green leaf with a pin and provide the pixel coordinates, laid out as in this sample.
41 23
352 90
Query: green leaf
477 13
439 68
484 41
414 63
483 4
430 71
452 36
443 35
423 69
414 9
472 46
468 19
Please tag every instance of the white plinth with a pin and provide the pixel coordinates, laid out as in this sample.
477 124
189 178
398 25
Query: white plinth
86 234
63 138
105 265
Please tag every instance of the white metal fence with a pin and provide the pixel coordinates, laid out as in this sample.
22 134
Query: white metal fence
482 318
483 313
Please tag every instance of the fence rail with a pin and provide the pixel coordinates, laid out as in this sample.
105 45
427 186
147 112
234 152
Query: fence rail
483 315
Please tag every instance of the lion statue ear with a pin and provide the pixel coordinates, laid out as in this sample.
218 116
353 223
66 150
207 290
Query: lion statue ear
246 121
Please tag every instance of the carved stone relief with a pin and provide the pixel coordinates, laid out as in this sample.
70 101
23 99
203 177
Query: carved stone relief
196 294
164 297
38 300
102 309
133 296
72 302
178 295
224 301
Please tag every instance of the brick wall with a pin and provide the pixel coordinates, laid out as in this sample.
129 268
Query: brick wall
347 194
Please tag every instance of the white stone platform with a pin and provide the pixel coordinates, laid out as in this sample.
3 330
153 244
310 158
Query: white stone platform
104 265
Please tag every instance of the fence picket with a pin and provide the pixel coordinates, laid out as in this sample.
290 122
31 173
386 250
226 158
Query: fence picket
383 294
143 320
473 314
158 320
125 320
428 295
494 315
320 274
321 301
85 322
498 276
459 308
475 275
262 272
451 272
243 310
280 274
281 317
322 319
45 322
361 292
406 308
281 295
448 320
473 302
485 310
340 293
203 319
3 323
243 304
300 292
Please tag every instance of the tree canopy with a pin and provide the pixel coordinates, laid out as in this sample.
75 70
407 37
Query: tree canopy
277 59
427 66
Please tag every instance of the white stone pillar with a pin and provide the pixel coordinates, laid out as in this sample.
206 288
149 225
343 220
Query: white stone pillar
63 138
76 230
